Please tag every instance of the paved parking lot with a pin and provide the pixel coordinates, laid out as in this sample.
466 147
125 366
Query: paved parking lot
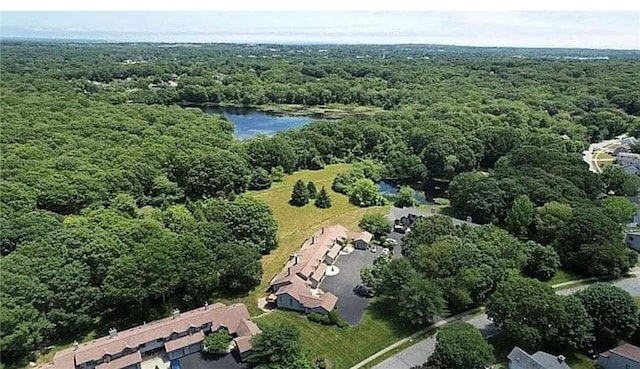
350 306
204 361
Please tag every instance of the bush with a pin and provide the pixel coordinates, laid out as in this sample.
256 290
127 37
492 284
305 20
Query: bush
326 320
342 323
315 317
333 316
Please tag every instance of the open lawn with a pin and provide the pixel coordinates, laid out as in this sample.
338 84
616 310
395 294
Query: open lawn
295 224
343 347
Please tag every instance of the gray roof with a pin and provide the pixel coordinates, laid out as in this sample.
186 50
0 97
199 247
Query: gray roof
539 360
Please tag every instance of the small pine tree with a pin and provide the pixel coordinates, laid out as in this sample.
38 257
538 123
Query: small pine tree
300 194
323 201
311 188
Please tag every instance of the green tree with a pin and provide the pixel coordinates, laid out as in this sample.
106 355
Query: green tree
460 345
619 209
477 195
323 201
405 197
612 310
550 220
124 203
260 179
23 329
533 315
364 193
520 217
179 219
300 194
542 261
377 224
621 183
311 189
279 347
427 230
420 300
277 174
217 342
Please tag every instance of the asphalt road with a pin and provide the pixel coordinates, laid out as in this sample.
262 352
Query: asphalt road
418 353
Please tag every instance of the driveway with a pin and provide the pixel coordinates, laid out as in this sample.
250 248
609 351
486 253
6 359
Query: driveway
204 361
351 307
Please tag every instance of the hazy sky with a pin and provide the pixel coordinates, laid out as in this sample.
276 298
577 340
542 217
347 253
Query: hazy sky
617 30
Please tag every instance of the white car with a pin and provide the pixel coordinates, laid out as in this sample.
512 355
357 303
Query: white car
385 251
374 248
391 240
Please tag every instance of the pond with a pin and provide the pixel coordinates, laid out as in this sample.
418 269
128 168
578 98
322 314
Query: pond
387 188
249 123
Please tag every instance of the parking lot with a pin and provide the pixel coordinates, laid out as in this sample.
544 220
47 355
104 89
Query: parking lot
350 306
200 360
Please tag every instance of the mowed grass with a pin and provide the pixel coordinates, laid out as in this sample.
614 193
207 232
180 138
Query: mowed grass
343 347
295 224
563 276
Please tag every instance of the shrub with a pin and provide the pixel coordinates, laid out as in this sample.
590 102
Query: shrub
342 323
315 317
326 320
333 316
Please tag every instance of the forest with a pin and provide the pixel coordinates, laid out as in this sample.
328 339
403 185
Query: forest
120 198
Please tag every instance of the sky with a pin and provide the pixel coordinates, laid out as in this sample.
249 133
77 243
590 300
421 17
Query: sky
601 30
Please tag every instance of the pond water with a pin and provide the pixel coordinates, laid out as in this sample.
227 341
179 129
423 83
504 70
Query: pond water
391 189
249 123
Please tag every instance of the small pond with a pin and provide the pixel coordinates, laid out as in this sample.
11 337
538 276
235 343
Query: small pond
391 189
249 123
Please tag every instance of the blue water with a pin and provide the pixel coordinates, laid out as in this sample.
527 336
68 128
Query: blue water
249 123
387 188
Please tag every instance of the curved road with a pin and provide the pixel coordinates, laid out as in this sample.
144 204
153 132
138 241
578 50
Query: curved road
418 353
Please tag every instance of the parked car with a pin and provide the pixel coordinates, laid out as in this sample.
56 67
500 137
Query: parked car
175 364
385 251
363 291
391 240
374 248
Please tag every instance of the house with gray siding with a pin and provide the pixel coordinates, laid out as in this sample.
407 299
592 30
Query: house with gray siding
520 359
626 356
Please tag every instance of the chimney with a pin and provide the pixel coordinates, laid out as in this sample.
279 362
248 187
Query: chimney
206 305
313 239
561 358
288 271
469 219
295 259
75 345
322 230
176 313
113 332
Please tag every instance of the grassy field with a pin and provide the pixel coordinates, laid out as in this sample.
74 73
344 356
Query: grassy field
343 347
502 346
295 224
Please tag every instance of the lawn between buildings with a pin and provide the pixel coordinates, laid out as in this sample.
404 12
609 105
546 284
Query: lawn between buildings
295 224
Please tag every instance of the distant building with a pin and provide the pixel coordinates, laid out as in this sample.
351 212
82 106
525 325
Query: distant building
632 240
520 359
626 356
361 240
170 338
628 161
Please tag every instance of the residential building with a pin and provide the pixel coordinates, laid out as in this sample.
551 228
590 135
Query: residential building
170 338
361 240
630 162
296 287
632 239
520 359
626 356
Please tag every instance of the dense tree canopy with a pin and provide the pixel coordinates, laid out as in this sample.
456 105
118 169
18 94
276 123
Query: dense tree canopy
460 345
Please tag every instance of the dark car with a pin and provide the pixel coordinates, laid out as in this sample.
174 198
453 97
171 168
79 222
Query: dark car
363 291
